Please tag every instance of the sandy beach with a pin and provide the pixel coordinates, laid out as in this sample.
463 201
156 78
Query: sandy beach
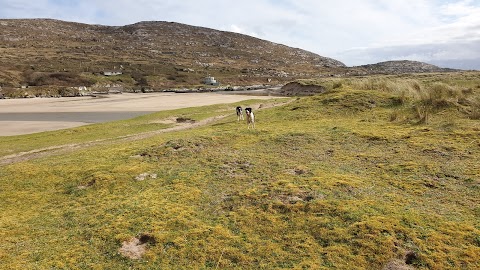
24 116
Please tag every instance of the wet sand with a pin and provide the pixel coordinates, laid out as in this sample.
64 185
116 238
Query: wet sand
24 116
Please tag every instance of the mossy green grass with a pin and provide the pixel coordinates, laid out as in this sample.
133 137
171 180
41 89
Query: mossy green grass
323 182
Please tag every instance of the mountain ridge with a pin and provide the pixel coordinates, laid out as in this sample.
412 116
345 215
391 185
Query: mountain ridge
403 66
150 54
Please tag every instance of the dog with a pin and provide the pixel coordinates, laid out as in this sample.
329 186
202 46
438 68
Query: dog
250 118
239 113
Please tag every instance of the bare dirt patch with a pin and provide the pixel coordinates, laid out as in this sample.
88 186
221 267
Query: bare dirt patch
171 120
145 176
136 247
397 265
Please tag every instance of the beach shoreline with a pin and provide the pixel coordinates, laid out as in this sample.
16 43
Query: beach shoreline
32 115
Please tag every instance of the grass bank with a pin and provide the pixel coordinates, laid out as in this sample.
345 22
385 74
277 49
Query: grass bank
329 181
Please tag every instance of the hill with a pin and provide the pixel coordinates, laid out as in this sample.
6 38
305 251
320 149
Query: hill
400 67
51 55
374 173
150 54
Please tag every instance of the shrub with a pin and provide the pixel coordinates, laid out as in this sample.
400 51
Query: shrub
394 116
337 85
440 95
68 92
422 113
475 110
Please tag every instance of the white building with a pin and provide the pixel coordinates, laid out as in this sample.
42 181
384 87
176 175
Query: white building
210 81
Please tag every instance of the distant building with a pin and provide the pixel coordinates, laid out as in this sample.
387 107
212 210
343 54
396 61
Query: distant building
210 81
112 72
83 90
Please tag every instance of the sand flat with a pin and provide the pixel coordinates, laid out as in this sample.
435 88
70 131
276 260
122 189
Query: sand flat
24 116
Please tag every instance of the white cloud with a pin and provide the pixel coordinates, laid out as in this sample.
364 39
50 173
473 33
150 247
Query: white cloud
453 40
460 8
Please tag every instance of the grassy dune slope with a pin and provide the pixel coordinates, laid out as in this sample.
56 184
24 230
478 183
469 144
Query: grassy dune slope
350 179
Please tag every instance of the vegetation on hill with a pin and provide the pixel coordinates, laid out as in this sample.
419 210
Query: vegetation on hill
353 178
157 55
51 55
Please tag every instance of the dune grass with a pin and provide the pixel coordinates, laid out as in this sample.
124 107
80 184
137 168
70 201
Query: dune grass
325 182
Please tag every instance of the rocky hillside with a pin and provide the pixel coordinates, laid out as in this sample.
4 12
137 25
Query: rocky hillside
148 54
398 67
46 55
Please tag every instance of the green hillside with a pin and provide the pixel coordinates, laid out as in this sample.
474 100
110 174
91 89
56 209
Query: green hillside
375 173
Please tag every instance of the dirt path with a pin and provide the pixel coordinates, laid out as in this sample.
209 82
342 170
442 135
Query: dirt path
66 148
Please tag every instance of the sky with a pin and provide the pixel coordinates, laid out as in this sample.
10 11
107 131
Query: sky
441 32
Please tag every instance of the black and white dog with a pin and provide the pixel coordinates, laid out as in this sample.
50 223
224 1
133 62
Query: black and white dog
250 117
239 113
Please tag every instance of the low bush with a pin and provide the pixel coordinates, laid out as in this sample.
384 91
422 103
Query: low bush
440 95
57 78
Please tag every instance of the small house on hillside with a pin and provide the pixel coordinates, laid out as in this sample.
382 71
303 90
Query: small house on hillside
112 72
210 81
